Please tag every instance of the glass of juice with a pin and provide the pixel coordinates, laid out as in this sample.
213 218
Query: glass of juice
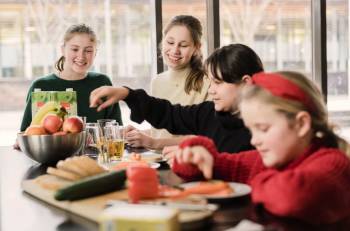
115 141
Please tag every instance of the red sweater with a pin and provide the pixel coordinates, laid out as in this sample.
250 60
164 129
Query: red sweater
315 187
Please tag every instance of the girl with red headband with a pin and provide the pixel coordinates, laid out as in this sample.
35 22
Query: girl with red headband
299 168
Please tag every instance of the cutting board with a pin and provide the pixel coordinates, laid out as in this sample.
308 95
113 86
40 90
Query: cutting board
91 208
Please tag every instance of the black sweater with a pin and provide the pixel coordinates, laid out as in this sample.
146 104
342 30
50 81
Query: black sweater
227 130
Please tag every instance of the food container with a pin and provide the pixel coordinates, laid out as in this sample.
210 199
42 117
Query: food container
49 149
139 217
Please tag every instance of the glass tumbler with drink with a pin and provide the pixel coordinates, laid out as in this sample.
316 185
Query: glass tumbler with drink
114 141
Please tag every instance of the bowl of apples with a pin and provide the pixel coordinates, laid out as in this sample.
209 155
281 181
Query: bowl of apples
53 139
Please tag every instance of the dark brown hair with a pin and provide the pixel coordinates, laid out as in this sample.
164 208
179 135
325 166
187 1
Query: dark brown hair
71 31
230 63
194 80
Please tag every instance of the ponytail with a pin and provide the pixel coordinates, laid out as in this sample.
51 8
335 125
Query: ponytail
59 64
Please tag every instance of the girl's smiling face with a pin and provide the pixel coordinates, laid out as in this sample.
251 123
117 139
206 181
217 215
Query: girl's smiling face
178 47
79 53
278 139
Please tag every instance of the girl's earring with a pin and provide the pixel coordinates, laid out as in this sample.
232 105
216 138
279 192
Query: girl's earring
319 134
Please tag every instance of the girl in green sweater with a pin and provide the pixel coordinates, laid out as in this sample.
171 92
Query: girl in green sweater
78 54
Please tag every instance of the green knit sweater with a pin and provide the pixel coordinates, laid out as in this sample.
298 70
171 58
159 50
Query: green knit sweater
83 88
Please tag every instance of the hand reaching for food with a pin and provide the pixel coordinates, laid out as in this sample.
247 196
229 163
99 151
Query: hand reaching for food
169 153
198 156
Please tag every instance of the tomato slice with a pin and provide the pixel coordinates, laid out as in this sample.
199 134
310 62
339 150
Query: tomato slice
142 183
141 173
142 190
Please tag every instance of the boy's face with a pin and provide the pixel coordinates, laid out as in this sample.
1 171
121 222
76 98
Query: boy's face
276 138
224 95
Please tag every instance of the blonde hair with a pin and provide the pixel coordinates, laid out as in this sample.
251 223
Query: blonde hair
320 125
194 80
71 31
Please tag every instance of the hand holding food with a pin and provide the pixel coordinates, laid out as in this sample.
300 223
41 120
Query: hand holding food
198 156
112 94
169 153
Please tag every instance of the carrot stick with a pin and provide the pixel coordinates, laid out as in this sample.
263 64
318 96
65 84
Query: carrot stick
207 187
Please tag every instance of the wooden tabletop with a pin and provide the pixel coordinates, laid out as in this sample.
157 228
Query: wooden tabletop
20 211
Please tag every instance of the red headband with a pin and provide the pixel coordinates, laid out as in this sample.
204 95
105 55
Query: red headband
279 86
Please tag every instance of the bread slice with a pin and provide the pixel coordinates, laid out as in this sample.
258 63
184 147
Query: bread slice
51 182
91 165
71 166
63 174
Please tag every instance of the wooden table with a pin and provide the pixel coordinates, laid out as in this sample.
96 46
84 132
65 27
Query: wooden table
20 211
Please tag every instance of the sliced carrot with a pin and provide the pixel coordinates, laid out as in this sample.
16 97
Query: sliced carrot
207 187
223 192
135 156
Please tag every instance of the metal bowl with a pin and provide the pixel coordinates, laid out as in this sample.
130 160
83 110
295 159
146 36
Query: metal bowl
49 149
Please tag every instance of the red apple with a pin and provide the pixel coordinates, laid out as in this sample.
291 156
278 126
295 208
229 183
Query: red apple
60 133
52 123
35 130
73 124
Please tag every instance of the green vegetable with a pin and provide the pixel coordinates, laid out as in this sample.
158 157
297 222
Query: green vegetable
93 186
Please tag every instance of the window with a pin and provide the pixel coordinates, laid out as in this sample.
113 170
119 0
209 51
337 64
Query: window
196 8
31 34
338 63
279 31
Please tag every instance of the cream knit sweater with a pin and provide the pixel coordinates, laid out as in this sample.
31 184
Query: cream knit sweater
170 85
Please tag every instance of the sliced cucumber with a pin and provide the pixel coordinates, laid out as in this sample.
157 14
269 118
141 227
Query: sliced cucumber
93 186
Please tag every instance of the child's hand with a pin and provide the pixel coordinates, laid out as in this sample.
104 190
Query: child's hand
169 153
111 94
198 156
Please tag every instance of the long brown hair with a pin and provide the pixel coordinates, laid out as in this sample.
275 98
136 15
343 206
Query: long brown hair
194 80
70 32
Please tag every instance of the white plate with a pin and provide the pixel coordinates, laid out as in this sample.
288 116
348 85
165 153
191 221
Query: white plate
154 165
239 190
149 156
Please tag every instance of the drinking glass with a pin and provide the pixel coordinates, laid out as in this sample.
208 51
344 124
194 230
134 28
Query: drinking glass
102 122
94 140
114 140
83 146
